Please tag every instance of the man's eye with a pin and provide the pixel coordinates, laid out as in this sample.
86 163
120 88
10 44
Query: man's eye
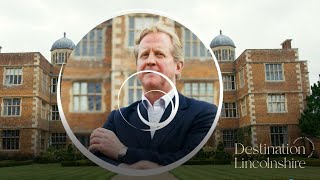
145 55
160 55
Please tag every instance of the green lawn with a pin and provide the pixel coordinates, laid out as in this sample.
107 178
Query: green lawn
199 172
54 171
185 172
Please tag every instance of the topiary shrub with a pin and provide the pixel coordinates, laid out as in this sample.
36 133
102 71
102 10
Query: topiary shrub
220 154
207 155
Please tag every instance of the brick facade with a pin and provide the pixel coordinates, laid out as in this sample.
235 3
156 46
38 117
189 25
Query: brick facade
117 63
256 89
33 128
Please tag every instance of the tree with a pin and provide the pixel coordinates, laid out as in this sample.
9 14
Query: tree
309 121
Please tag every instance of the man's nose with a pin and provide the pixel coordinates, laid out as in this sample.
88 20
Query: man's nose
151 61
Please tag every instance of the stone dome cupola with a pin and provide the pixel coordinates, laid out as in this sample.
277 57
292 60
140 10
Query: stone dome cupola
223 48
61 50
63 43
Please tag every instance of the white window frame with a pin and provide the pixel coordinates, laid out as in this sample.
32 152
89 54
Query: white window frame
19 106
276 100
229 108
44 110
43 141
93 44
13 72
54 84
243 105
229 137
135 86
190 40
229 82
195 93
241 78
278 136
231 55
54 113
217 55
135 28
58 140
83 95
44 84
61 59
273 70
225 54
15 139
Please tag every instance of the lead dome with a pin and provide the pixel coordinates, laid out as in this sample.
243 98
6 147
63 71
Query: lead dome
63 43
222 40
223 48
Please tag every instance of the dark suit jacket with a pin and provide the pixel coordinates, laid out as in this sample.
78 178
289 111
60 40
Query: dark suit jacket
169 144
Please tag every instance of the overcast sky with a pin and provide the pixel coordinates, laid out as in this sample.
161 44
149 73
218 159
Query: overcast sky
34 25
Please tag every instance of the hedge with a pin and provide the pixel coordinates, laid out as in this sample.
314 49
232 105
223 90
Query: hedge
206 162
9 163
313 162
77 163
53 155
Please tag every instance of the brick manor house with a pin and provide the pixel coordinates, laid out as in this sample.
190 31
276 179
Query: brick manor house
264 89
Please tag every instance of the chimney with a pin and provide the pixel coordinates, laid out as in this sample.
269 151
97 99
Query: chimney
286 44
0 49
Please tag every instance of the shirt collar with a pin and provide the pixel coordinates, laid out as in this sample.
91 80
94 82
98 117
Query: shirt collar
164 100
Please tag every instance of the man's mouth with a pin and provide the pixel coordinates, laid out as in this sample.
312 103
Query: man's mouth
150 72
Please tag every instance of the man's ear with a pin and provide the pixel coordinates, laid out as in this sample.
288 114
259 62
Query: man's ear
179 67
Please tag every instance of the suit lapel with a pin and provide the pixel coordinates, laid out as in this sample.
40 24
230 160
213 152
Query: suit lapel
160 134
143 137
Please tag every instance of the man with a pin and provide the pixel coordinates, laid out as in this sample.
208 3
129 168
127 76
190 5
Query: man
158 49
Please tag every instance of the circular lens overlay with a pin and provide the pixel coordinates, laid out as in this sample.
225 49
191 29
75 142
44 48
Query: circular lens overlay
153 126
150 83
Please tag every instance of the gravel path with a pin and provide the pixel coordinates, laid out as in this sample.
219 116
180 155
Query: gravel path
162 176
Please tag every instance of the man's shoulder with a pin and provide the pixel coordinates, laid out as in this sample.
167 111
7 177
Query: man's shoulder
201 111
195 103
126 109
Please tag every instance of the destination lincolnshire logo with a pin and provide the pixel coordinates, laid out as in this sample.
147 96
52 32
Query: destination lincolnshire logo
284 150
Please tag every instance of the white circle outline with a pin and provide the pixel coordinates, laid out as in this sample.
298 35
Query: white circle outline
313 148
167 96
145 172
173 113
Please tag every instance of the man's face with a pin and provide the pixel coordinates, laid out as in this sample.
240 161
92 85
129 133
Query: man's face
155 53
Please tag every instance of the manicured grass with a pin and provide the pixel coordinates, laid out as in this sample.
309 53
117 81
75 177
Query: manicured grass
54 171
185 172
200 172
